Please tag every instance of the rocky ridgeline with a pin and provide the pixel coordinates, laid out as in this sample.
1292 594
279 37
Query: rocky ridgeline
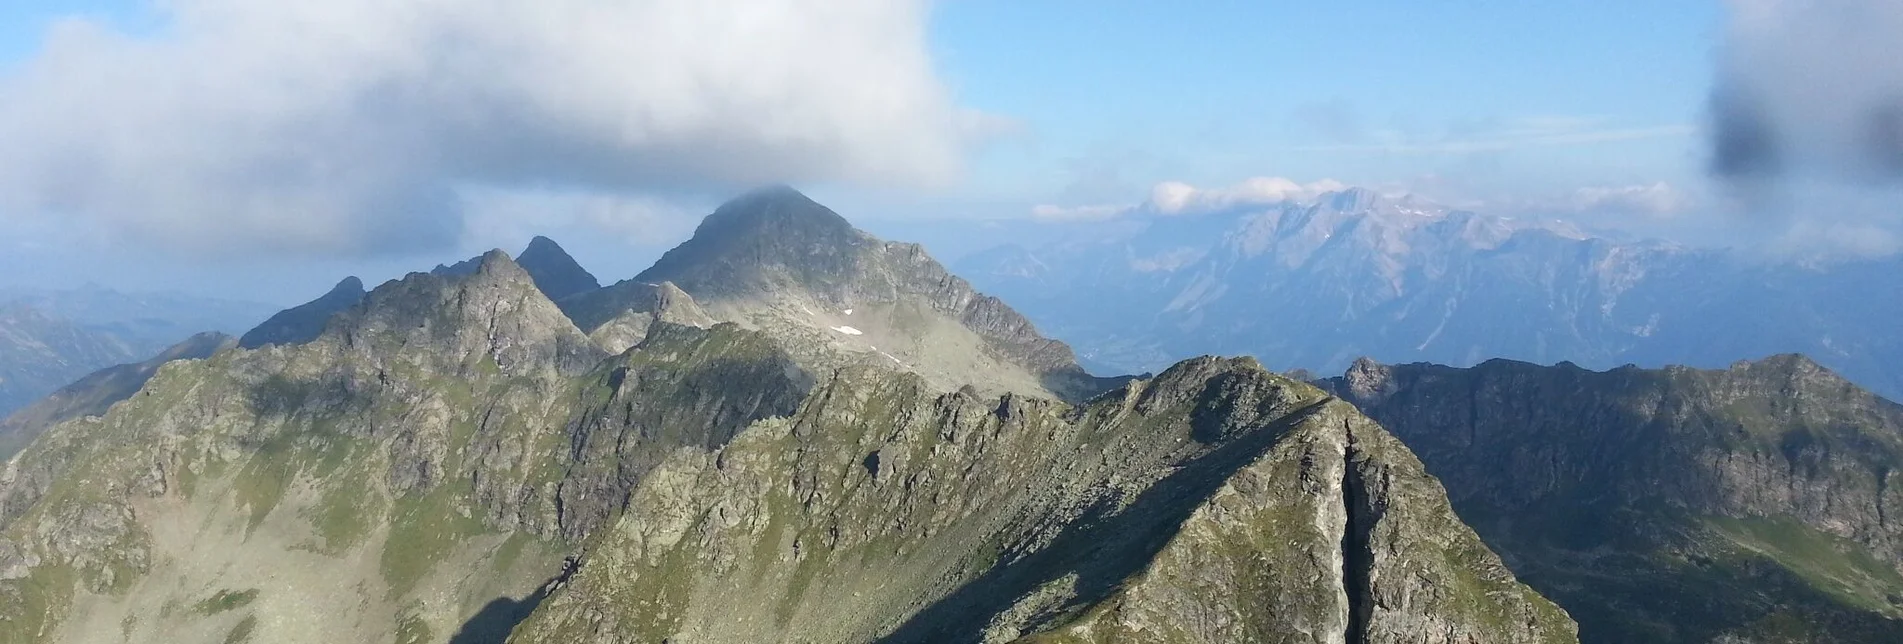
1758 502
1216 503
776 260
97 392
454 440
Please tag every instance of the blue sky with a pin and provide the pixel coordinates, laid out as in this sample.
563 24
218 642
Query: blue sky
962 109
1212 92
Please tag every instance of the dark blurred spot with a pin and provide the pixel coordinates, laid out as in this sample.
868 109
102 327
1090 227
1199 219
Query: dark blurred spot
1744 142
1885 143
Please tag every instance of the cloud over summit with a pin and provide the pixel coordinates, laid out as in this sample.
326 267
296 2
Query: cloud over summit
360 126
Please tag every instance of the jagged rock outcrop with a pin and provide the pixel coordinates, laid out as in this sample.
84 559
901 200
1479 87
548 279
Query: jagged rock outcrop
454 440
684 387
449 440
444 442
1756 503
618 317
304 322
98 391
1217 503
777 261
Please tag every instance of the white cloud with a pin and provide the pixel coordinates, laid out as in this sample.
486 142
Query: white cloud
1047 212
355 126
1177 198
503 219
1659 199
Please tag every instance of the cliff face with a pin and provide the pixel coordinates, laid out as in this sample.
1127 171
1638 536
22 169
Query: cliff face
1215 503
1751 502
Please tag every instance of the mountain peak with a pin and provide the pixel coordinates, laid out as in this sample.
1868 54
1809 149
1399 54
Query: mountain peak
348 285
304 322
497 313
554 270
775 254
751 242
781 208
1352 199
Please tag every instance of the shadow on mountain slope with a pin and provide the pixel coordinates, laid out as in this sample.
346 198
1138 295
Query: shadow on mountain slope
497 619
1103 548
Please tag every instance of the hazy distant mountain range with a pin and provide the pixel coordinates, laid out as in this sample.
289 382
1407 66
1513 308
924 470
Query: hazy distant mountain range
50 338
1314 285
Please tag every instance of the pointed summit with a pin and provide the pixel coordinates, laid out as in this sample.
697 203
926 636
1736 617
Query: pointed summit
495 315
304 322
755 240
774 259
555 272
778 210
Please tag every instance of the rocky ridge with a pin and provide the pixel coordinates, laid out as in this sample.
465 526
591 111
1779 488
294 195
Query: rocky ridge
304 322
1749 504
619 316
1216 503
776 261
455 438
441 443
98 391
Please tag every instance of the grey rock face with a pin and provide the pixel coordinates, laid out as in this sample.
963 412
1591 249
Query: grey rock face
775 248
682 387
618 317
451 439
439 415
304 322
1216 503
664 303
1669 505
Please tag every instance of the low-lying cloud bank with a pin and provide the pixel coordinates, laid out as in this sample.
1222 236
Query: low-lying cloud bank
356 127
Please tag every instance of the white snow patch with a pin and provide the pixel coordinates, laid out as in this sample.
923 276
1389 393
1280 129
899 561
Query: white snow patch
893 357
848 311
848 330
